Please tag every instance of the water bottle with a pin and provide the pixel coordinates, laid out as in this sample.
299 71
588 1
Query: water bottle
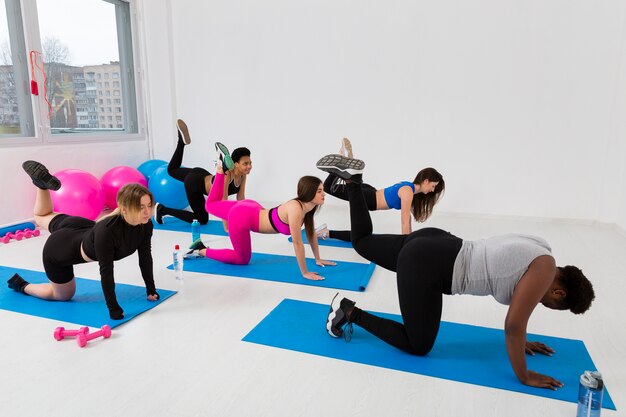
590 393
195 230
178 263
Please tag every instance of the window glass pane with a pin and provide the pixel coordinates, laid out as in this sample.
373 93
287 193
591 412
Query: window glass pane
80 49
16 117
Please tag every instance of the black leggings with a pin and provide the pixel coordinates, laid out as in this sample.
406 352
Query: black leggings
423 262
193 178
338 189
62 249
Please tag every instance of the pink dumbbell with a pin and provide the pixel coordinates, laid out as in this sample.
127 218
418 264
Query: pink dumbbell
17 235
60 332
28 233
5 239
83 338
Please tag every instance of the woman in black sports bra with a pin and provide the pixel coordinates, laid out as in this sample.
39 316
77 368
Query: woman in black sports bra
198 181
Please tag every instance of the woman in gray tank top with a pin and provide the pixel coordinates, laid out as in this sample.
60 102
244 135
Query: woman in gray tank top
516 270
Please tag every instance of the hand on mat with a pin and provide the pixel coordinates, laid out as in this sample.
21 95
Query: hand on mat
532 347
313 276
322 262
535 379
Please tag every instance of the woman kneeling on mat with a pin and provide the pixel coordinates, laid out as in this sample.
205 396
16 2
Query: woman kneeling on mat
249 216
198 181
415 198
75 240
517 270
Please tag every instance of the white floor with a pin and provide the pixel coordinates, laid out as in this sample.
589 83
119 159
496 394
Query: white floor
186 357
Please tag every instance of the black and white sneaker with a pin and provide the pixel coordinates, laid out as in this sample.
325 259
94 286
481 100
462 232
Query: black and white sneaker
158 216
343 167
41 176
224 156
337 318
183 132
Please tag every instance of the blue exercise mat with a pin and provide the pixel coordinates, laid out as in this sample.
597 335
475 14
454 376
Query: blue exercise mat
326 242
464 353
213 227
87 307
350 276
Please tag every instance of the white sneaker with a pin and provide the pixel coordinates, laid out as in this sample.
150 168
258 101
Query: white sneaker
322 231
346 148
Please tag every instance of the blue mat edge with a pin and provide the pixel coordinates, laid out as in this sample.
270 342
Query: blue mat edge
164 294
607 402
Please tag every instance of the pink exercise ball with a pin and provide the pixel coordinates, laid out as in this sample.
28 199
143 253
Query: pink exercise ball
81 194
116 178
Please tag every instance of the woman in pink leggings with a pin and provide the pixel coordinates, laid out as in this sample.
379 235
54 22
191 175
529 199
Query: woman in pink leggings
247 216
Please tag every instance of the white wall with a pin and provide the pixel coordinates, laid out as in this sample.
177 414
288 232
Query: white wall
520 105
515 102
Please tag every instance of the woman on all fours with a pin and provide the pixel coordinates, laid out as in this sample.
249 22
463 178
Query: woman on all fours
74 240
517 270
416 198
198 181
249 216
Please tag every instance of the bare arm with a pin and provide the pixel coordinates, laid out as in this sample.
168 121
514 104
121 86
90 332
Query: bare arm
528 293
406 198
295 216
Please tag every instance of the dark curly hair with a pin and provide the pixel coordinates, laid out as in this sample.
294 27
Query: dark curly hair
238 153
579 291
422 204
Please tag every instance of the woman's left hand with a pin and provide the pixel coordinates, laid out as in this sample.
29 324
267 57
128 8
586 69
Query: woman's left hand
321 262
532 347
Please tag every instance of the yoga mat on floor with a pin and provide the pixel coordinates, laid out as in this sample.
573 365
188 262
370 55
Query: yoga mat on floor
345 275
464 353
326 242
213 227
87 307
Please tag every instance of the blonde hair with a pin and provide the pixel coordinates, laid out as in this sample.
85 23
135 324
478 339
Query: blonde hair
129 197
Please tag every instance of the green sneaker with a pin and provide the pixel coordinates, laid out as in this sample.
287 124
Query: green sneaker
224 156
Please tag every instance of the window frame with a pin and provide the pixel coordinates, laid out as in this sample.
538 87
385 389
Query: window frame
130 77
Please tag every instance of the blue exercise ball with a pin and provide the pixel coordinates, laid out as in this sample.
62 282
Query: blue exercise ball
148 167
167 190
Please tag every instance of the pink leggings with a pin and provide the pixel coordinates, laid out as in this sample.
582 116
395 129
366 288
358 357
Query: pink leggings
242 217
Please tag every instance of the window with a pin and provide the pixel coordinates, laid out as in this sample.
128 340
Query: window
76 50
16 115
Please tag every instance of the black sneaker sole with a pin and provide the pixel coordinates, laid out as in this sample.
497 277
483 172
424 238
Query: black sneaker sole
335 317
184 131
341 166
41 176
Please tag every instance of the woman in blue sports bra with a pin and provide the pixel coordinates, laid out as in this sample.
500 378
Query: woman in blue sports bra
247 216
415 198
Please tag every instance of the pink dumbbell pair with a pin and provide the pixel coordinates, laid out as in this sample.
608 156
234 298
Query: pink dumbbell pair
19 235
82 335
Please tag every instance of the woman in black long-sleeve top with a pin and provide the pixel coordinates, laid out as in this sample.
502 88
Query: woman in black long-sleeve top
75 240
